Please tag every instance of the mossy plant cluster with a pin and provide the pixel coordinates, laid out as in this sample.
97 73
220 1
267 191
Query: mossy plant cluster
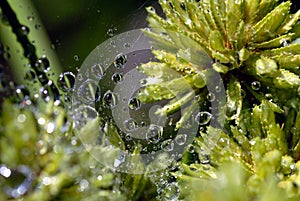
252 45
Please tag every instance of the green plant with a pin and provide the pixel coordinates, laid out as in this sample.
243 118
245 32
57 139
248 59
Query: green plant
252 150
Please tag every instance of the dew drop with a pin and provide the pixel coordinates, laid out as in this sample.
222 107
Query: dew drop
127 45
50 127
117 77
22 92
98 71
24 30
202 118
171 192
154 133
120 60
255 85
21 118
190 149
45 92
83 185
4 171
180 139
17 182
143 82
66 81
76 57
89 92
167 145
110 99
284 42
30 75
134 104
43 64
37 26
211 97
30 17
110 32
130 125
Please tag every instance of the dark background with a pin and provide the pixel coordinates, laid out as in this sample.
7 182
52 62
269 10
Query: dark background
76 27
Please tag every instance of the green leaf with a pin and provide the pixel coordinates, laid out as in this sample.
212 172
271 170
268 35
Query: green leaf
286 79
283 51
266 28
266 66
216 14
113 136
216 41
233 19
234 99
289 62
289 23
251 9
276 42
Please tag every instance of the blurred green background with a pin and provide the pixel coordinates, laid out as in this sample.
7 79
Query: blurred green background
76 27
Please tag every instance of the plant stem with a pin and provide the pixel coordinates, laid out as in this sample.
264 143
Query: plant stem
31 38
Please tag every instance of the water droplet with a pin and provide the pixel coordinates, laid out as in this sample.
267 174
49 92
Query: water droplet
143 82
151 9
110 99
167 145
190 148
50 127
22 92
17 182
66 81
117 77
154 133
83 185
211 97
30 17
37 26
134 104
284 42
180 139
224 142
130 125
120 60
127 45
255 85
46 181
25 30
43 64
204 158
89 91
171 192
182 5
110 32
76 57
202 118
98 71
4 171
30 75
21 118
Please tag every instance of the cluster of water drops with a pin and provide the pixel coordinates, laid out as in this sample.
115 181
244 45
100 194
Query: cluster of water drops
106 87
17 181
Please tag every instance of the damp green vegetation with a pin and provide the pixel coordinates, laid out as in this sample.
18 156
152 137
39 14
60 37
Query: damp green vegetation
240 57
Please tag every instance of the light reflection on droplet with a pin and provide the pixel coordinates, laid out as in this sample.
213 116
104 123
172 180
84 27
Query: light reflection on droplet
202 118
120 60
5 172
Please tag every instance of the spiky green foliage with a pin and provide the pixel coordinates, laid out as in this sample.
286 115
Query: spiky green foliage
251 43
